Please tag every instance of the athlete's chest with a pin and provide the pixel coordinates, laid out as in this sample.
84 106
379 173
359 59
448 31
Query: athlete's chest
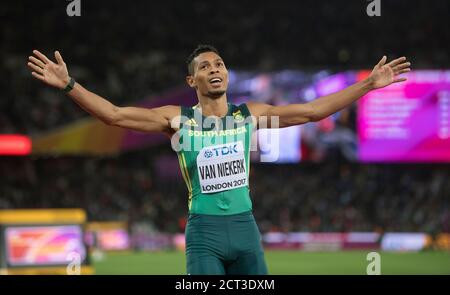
219 161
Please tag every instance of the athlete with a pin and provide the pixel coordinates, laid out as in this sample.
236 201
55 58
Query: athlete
212 141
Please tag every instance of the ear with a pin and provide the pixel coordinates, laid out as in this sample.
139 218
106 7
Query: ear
190 81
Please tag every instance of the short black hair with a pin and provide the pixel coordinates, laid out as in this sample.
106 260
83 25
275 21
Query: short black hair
202 48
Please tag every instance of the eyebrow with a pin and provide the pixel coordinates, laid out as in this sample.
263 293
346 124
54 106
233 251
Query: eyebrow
206 61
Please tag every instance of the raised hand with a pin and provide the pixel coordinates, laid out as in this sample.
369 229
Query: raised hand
385 74
53 74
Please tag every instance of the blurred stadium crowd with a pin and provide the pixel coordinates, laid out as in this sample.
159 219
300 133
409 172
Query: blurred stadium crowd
127 58
308 197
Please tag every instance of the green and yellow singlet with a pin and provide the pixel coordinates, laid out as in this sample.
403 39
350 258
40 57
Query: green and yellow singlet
214 157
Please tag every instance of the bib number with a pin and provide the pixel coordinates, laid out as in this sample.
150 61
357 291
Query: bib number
222 167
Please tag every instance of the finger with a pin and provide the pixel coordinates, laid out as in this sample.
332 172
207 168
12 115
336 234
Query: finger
399 80
35 68
36 61
37 76
59 58
396 61
382 61
42 57
403 71
401 66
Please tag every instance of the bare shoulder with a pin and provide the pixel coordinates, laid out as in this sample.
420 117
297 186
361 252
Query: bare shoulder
169 111
257 108
172 113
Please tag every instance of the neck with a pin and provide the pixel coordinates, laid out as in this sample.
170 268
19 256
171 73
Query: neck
213 106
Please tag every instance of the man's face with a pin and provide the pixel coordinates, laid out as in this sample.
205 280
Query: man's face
210 76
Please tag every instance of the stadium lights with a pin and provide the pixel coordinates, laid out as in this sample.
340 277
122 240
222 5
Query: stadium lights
15 144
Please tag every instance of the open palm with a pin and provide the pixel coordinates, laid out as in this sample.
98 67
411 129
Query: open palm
54 74
385 74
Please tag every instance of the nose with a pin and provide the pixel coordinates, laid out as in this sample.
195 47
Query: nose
214 70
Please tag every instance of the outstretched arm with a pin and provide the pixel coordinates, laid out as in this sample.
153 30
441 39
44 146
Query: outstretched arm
140 119
382 75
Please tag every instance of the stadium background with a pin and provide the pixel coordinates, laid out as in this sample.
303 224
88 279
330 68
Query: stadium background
134 53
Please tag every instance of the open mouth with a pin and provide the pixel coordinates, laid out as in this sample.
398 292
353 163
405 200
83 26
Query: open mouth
215 81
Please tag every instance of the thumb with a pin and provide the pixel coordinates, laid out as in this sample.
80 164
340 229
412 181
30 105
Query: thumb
59 58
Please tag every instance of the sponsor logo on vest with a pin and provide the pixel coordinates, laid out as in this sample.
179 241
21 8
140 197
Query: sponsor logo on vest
191 122
221 151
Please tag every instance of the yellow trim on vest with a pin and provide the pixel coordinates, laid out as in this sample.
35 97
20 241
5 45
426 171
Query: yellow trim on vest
186 178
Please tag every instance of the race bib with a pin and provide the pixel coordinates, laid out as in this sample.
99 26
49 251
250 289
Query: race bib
222 167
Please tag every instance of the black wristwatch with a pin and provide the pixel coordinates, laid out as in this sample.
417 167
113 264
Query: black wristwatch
69 85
